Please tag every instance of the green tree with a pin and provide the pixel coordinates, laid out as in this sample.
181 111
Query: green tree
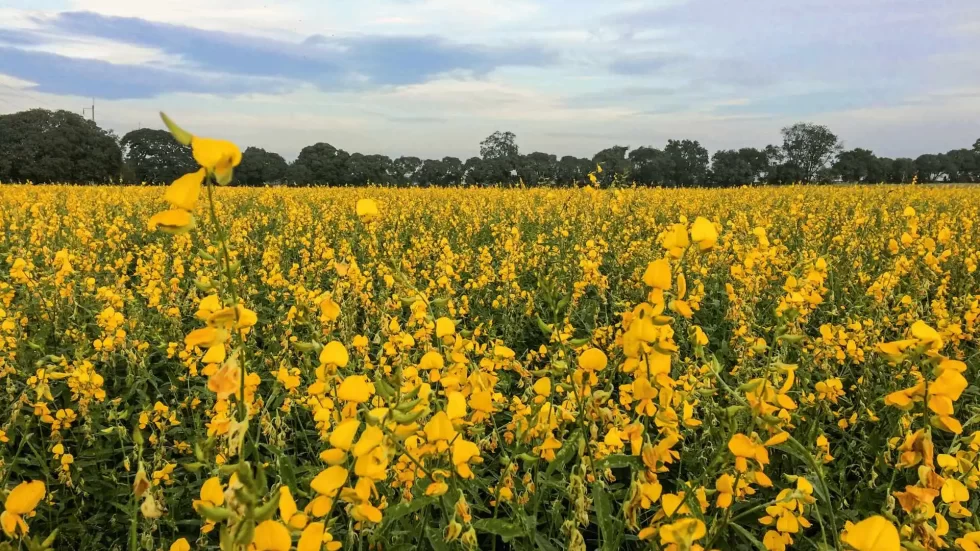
259 167
537 167
368 169
648 165
154 156
613 162
406 170
499 145
928 167
903 169
688 163
809 148
57 146
572 170
320 163
731 168
962 165
854 165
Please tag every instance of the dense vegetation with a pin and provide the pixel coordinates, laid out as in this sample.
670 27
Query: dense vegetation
43 146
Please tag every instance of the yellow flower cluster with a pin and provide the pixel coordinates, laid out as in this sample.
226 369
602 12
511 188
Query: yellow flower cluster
685 370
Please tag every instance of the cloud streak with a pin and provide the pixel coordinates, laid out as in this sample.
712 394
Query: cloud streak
230 63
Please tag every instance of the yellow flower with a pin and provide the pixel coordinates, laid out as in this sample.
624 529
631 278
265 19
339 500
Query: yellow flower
366 209
217 156
682 532
439 427
704 233
371 438
173 221
342 436
927 335
271 535
355 388
314 537
657 274
22 500
180 545
206 337
334 353
464 453
872 534
455 405
542 387
954 491
329 481
445 327
593 359
184 192
212 494
970 541
288 511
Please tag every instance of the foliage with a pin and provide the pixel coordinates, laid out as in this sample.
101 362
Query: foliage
55 146
154 156
258 167
809 148
499 145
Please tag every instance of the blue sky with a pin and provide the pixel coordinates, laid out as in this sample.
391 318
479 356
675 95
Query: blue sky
433 77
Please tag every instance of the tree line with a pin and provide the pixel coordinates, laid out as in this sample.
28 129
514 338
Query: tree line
59 146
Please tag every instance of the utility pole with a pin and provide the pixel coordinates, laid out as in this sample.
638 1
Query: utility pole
92 109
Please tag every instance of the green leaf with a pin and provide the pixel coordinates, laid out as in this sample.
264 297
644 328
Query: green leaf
616 461
566 452
610 527
435 538
543 542
506 530
745 534
403 509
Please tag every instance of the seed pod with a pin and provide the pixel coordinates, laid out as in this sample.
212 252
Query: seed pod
404 418
267 509
544 327
214 514
246 532
408 405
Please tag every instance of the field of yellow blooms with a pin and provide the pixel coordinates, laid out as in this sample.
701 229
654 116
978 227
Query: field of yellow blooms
275 369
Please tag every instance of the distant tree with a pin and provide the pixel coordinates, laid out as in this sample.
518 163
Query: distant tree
854 165
809 148
259 167
976 146
56 146
648 165
880 169
406 170
688 163
154 156
499 145
299 174
928 167
572 170
368 169
613 162
473 171
962 165
903 169
322 163
537 167
453 174
731 168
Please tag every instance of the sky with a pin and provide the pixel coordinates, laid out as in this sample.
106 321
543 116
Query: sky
434 77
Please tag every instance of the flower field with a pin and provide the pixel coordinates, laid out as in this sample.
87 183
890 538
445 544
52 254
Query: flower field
364 368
